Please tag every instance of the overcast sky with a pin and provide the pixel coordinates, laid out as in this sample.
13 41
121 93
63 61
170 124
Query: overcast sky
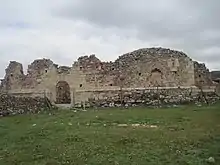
63 30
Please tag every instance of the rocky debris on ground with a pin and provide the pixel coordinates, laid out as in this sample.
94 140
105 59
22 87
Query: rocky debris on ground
151 98
12 105
211 160
123 125
138 125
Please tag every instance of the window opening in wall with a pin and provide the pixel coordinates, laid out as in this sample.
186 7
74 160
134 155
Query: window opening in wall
80 85
111 85
113 68
139 74
80 67
12 75
199 75
45 71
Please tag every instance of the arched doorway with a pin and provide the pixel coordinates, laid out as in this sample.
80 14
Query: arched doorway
63 93
156 78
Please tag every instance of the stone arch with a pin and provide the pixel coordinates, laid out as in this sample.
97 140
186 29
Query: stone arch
63 95
155 78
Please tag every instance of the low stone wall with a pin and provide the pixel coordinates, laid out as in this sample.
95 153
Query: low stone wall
147 97
12 105
31 102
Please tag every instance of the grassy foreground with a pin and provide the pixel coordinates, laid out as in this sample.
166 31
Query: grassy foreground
180 136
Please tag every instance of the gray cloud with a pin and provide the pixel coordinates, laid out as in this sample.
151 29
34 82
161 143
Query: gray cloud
64 30
186 25
170 14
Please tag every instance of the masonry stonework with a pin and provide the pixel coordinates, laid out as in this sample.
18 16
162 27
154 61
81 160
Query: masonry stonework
13 105
142 68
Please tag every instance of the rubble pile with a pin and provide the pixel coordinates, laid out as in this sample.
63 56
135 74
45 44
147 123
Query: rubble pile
167 97
12 105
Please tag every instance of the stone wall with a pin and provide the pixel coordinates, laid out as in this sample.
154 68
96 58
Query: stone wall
142 68
14 76
42 76
218 88
12 105
202 75
146 97
156 67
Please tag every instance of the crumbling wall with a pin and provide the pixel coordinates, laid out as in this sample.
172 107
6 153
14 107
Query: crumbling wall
43 76
141 68
14 76
104 76
63 70
156 67
146 97
12 105
218 89
16 80
36 71
1 86
89 63
202 75
97 74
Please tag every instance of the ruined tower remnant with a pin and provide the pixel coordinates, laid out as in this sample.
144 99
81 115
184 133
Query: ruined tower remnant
14 76
142 68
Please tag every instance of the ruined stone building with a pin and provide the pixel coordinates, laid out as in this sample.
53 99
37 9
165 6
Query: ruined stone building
140 69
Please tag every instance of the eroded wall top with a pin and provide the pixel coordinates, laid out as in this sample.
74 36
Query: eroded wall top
143 68
14 76
202 75
140 68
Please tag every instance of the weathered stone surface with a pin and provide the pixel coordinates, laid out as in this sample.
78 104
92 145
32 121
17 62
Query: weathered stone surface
202 75
14 76
150 97
142 68
11 105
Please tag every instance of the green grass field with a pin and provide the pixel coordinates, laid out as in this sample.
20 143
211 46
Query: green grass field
180 136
